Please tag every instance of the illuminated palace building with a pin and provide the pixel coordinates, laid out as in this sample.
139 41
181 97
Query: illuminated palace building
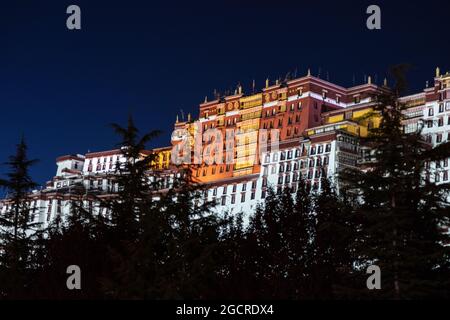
317 133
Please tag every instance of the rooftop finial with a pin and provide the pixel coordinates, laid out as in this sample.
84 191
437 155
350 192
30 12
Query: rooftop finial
176 120
206 99
189 117
438 72
369 80
267 82
309 72
239 89
385 82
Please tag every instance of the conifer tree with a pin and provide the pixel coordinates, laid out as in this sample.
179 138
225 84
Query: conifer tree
128 211
401 210
17 228
332 238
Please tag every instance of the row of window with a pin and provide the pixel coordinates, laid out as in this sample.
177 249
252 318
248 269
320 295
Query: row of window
234 188
311 174
319 149
233 197
440 108
287 155
439 138
204 171
438 123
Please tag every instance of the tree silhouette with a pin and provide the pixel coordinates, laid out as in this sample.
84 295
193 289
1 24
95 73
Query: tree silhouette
401 210
17 226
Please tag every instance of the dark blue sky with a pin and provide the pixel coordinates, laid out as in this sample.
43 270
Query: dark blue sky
62 88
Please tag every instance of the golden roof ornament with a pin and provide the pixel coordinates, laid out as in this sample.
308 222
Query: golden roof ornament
438 72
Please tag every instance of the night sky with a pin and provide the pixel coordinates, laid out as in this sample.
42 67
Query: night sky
62 88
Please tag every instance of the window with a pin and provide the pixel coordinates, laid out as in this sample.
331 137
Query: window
233 199
287 179
263 194
328 148
252 196
283 156
224 190
244 187
267 159
289 155
348 115
338 99
445 178
441 107
320 149
438 138
234 188
224 200
429 124
313 150
243 197
280 179
430 112
281 168
297 153
440 122
254 184
317 175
